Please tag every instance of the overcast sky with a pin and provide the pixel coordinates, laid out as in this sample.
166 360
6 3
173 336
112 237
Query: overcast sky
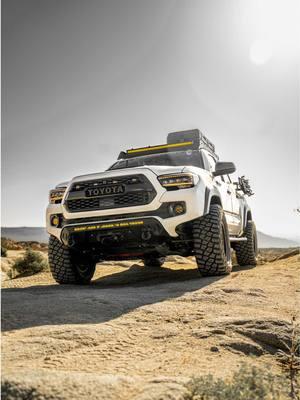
82 80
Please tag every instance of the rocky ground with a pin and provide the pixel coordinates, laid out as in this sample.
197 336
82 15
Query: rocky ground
139 333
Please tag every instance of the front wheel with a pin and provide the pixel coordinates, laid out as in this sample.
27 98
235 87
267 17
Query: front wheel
211 243
246 252
67 266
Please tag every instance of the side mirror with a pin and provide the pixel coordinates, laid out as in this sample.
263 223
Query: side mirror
224 168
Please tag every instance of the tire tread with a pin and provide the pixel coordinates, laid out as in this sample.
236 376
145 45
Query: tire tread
208 246
245 251
61 264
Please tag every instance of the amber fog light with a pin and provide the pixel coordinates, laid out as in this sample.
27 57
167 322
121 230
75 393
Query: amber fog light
177 209
55 220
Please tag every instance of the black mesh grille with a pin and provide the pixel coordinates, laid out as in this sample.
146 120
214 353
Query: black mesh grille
138 191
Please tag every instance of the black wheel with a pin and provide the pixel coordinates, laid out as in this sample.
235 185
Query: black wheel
154 262
68 267
211 243
246 252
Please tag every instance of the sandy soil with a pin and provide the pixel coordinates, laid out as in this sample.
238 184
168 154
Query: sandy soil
138 333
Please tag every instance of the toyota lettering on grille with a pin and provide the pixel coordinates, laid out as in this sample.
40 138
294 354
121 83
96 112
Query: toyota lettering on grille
105 191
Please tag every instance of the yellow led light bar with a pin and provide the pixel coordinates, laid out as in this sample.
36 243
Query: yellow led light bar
107 226
160 147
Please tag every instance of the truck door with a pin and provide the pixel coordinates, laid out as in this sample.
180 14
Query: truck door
236 217
225 192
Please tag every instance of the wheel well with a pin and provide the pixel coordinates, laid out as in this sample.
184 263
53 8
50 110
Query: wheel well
215 200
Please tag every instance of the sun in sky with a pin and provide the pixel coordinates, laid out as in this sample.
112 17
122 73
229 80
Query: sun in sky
275 29
260 51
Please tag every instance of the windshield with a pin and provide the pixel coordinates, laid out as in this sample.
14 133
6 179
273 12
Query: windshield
176 158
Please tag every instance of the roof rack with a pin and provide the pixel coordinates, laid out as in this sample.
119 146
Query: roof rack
176 141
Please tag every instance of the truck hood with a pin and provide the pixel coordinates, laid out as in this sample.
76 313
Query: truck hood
156 169
162 170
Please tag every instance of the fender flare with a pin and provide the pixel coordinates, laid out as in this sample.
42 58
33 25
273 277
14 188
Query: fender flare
211 196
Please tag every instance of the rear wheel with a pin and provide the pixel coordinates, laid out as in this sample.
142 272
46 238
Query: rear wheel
67 266
154 262
246 252
211 243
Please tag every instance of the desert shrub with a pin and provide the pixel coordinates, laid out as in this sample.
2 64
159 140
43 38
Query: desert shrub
3 252
31 263
13 390
9 244
248 383
290 361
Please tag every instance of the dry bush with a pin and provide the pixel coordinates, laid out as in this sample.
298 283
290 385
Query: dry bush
248 383
290 361
37 246
251 383
31 263
10 244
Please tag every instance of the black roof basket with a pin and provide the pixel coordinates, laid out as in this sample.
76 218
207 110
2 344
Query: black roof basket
197 137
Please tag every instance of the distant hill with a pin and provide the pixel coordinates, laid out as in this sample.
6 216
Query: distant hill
266 241
39 234
24 233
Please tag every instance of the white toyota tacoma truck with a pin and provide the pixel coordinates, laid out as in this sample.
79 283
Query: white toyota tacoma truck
171 199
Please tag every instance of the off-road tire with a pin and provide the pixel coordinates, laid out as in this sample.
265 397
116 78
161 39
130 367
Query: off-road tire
66 267
154 262
246 252
211 243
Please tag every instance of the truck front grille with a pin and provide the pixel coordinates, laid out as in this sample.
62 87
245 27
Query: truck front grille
137 190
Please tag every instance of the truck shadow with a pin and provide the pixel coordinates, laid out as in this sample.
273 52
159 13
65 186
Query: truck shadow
107 298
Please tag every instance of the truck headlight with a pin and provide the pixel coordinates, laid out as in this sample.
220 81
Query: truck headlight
56 195
177 181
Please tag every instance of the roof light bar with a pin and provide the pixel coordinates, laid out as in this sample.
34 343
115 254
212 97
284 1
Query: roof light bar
159 147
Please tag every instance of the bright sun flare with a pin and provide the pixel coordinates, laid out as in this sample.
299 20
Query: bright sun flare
260 52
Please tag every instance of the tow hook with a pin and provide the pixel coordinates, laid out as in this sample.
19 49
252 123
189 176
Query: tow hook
146 235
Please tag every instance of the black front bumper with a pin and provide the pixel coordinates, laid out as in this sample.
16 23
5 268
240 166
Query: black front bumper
121 237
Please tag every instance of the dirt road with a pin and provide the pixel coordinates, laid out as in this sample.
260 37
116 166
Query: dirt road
137 333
